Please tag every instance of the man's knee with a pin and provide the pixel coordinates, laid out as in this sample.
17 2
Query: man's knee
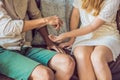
42 73
68 63
63 62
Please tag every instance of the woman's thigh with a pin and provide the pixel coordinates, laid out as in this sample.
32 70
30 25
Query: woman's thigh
83 51
103 53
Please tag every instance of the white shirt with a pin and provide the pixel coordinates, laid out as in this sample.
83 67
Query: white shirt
11 36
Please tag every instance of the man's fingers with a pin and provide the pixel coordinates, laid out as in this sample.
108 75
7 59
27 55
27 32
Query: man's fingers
52 37
57 27
61 23
61 50
53 48
56 49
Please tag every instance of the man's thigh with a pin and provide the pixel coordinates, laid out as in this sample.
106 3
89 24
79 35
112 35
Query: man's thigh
16 65
40 55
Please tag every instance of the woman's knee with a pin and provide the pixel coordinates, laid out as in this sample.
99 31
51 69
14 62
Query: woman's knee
80 54
101 54
97 58
42 73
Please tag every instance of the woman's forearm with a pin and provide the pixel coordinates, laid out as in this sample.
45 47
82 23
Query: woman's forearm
78 32
86 29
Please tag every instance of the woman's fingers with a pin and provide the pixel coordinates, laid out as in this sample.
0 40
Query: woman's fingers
55 39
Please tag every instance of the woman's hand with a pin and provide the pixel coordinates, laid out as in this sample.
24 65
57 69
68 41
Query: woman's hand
57 39
54 21
68 44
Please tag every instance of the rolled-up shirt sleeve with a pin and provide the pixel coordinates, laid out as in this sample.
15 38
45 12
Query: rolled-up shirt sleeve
76 4
9 27
33 10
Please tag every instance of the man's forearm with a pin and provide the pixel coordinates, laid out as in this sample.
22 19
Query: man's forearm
32 24
44 33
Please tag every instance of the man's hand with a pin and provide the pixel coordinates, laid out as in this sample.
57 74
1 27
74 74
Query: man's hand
53 46
56 48
54 21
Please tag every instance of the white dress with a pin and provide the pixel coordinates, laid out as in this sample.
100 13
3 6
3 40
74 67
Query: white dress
107 34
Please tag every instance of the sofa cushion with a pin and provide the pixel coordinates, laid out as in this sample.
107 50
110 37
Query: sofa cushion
118 20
